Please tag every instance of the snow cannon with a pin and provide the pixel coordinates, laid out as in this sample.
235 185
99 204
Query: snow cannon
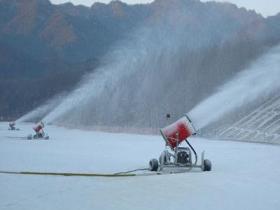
40 134
178 131
38 127
12 126
175 158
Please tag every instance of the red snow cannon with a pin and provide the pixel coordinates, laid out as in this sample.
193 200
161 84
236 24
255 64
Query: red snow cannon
178 132
38 127
180 159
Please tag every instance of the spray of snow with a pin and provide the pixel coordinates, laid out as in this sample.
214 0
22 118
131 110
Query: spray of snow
41 111
261 78
127 84
121 62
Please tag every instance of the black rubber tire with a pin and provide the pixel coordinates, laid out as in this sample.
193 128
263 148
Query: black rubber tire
153 165
207 165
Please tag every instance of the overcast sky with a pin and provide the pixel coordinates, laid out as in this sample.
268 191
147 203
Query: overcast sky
265 7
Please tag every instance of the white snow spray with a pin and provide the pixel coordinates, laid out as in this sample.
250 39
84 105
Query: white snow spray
119 63
41 111
130 80
260 79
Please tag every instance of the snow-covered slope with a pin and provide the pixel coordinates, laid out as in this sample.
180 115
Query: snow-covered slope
244 175
260 125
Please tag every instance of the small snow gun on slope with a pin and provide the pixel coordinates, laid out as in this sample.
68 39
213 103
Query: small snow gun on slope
12 126
179 159
39 132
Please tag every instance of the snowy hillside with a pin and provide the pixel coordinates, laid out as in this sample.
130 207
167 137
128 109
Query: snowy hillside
244 175
262 125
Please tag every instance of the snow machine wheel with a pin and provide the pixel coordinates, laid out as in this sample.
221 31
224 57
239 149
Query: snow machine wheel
153 165
29 137
207 166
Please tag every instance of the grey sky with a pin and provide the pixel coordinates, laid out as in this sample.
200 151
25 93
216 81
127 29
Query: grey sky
265 7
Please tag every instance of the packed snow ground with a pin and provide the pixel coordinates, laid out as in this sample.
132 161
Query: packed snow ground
244 175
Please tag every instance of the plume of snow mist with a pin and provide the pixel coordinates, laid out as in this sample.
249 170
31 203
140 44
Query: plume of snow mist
261 78
41 111
153 72
128 86
95 84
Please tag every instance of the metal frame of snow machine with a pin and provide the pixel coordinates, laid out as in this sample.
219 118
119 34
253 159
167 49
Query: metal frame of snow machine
43 136
179 159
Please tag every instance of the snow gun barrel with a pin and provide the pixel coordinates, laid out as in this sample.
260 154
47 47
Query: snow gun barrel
178 131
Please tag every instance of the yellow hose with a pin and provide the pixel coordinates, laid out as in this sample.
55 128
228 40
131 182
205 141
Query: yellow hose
67 174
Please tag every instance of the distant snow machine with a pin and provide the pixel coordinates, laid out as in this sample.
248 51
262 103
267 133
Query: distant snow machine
179 159
40 134
12 126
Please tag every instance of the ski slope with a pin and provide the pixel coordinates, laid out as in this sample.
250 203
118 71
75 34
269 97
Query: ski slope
244 175
261 124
